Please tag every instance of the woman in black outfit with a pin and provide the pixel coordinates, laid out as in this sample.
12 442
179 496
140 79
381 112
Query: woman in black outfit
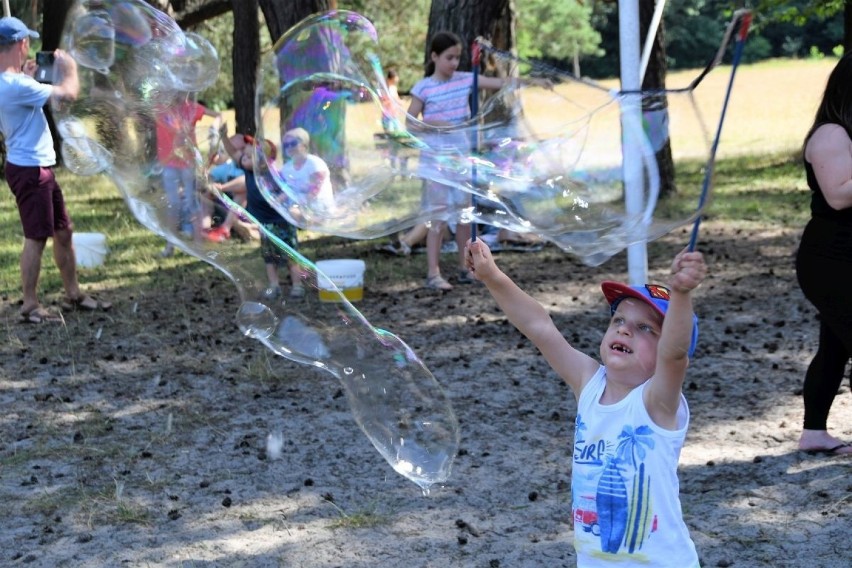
824 259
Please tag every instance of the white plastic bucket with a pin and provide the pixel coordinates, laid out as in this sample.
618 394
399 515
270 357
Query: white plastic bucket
90 249
345 273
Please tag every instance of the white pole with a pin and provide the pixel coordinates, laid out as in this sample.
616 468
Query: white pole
6 11
631 123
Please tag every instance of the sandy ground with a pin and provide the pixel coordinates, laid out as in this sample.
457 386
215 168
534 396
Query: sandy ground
136 437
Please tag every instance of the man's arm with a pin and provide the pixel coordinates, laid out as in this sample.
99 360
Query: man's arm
69 86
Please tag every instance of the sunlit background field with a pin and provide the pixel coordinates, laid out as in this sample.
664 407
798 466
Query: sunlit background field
771 106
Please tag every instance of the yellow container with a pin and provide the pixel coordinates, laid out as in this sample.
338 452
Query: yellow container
346 274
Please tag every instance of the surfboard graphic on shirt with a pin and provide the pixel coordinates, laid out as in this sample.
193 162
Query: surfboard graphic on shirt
625 517
611 498
639 519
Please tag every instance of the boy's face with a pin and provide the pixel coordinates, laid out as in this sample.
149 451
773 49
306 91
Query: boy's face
293 147
630 341
246 159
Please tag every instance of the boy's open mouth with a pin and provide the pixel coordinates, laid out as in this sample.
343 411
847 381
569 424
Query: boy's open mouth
621 348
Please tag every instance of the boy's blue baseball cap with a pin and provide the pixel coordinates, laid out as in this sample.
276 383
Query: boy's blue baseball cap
654 295
13 30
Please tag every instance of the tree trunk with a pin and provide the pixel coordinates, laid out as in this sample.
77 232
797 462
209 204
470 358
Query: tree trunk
54 22
282 15
245 58
655 109
847 26
51 34
469 19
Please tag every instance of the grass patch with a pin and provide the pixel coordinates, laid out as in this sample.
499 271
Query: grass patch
768 188
766 114
763 188
362 519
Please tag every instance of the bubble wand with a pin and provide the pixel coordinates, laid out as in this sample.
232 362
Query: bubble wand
475 54
745 22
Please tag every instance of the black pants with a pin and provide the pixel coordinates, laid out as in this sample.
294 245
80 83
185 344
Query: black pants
824 272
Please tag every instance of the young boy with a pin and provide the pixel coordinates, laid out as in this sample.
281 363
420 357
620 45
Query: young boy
240 148
631 416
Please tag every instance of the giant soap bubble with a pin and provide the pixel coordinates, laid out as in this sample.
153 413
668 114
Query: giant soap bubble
549 162
138 74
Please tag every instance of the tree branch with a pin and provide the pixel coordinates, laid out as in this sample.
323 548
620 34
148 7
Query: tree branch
203 13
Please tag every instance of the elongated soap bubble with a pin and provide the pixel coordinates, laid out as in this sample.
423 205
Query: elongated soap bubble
152 79
548 162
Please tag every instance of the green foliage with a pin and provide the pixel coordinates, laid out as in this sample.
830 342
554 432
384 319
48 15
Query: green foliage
797 12
815 53
756 49
556 30
791 26
837 51
694 28
401 26
791 46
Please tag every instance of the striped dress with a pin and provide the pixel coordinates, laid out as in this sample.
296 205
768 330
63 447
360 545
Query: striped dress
447 101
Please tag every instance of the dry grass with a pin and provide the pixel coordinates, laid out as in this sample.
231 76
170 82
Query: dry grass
771 106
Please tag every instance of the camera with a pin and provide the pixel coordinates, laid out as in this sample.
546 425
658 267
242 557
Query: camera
44 61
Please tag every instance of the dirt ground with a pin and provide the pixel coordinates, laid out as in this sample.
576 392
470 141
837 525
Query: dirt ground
137 437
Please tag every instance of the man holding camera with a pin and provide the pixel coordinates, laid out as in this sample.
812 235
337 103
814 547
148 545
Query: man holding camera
30 159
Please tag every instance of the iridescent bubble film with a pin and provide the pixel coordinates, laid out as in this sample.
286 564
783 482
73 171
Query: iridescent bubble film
137 121
547 161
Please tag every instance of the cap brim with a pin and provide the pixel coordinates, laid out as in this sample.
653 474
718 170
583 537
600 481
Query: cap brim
614 290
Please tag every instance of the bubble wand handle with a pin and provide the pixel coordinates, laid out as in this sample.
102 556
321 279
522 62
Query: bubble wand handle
475 53
708 174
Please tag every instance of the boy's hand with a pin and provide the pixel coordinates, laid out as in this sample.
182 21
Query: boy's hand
688 271
479 261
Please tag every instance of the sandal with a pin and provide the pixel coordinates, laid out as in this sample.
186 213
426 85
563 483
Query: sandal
41 315
271 293
400 249
437 282
297 292
465 277
85 303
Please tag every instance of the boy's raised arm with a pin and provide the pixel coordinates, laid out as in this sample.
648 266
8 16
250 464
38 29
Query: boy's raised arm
664 389
531 319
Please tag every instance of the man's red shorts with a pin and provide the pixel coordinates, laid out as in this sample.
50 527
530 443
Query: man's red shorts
40 202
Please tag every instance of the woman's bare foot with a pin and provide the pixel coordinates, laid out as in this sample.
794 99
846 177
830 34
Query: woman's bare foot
820 441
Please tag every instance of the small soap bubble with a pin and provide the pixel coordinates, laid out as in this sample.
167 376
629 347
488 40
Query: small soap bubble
256 320
274 444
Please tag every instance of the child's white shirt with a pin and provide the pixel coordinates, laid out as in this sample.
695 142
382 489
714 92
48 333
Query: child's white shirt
624 485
